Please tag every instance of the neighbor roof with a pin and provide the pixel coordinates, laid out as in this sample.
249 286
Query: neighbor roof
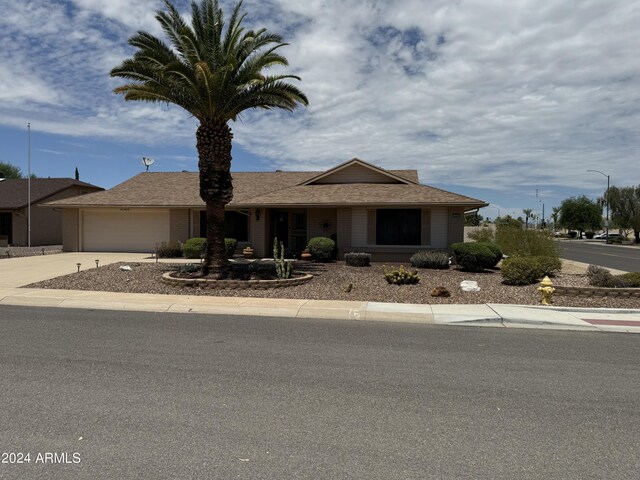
14 192
267 189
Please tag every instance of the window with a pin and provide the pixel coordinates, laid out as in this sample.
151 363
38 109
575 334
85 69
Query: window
398 226
236 225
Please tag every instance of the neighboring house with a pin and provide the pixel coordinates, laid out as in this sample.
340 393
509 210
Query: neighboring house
362 207
46 224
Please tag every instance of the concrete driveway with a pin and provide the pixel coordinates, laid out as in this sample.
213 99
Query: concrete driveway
20 271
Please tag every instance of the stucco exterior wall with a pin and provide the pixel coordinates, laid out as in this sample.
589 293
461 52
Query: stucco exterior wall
439 227
315 219
455 228
70 229
178 225
343 231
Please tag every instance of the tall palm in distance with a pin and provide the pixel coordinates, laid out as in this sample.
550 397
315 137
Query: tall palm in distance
215 71
527 214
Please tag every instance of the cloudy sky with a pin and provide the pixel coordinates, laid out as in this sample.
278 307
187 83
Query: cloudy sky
496 99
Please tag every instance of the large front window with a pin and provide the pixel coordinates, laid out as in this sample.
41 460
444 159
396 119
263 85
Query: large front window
398 226
236 225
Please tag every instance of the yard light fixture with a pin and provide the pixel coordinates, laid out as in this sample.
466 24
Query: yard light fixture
607 202
78 265
97 263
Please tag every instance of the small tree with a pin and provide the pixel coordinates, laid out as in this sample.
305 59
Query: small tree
472 219
77 174
10 171
580 213
625 208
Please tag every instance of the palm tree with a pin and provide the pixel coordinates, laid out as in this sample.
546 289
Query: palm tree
527 213
215 71
555 215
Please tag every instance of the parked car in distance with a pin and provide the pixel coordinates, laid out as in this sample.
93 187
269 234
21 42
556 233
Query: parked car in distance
603 236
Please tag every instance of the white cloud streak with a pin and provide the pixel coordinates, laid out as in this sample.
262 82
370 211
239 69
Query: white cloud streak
498 94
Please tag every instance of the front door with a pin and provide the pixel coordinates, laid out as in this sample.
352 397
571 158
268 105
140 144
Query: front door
298 232
5 226
281 219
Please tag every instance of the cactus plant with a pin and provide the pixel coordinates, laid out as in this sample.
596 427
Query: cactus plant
400 276
283 268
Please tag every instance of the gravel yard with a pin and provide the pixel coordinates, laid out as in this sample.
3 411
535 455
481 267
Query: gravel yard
332 281
9 252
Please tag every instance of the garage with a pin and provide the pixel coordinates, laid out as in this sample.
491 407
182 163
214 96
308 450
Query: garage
124 230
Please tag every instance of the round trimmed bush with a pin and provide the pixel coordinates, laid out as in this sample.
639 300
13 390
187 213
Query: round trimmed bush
194 247
357 259
435 259
230 245
322 249
548 265
632 278
472 256
496 250
589 235
520 270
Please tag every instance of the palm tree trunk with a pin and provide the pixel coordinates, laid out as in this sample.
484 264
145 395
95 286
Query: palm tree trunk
216 190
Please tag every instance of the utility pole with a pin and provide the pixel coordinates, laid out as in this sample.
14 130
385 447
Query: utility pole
607 202
29 185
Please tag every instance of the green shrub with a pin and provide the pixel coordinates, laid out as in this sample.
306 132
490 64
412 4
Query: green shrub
601 277
520 270
189 268
322 249
194 247
484 234
589 235
168 250
632 279
549 266
572 234
495 250
435 259
230 245
472 256
400 276
518 242
354 259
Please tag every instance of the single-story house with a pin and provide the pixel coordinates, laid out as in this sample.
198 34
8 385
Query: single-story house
46 224
362 207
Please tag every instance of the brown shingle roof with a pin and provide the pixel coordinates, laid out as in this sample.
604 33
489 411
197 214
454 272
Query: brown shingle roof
253 189
14 192
361 194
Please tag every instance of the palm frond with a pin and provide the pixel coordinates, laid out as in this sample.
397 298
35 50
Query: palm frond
212 68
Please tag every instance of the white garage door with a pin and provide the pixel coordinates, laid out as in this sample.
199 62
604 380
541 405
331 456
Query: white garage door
124 230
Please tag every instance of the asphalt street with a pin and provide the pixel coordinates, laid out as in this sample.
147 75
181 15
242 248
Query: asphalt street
598 253
155 396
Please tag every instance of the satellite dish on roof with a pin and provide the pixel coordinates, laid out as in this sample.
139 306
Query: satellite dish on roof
147 162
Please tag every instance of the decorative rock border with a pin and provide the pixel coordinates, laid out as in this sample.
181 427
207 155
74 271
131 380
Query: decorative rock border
597 292
233 284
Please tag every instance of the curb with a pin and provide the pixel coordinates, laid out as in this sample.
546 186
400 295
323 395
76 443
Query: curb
493 315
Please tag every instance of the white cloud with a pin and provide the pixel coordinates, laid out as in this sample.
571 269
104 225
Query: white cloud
498 94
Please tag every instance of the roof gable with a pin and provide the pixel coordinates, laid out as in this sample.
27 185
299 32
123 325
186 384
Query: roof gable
357 171
14 192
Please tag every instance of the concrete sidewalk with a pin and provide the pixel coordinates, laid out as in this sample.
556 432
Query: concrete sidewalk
25 270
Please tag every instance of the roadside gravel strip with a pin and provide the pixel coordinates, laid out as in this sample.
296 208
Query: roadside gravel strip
332 281
12 252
